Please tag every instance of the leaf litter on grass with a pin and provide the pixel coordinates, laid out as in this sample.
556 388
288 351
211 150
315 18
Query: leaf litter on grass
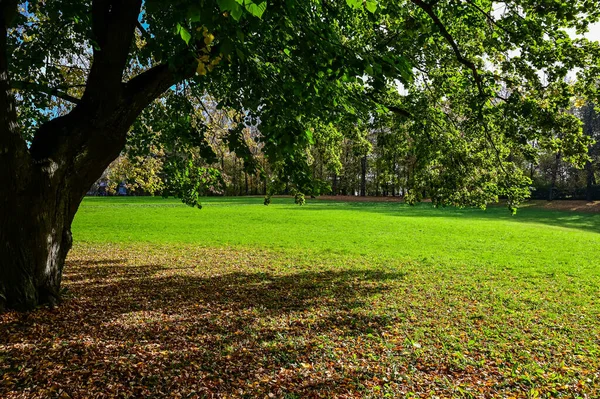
186 321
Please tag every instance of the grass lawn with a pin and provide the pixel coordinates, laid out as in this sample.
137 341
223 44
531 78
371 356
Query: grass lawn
331 299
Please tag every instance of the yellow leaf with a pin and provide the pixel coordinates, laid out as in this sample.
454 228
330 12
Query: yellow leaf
209 38
201 69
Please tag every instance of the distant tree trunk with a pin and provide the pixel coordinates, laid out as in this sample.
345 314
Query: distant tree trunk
400 186
246 179
554 177
590 181
407 180
531 170
376 180
394 177
234 177
363 176
335 184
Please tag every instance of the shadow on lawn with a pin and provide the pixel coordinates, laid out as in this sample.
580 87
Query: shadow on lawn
566 219
149 330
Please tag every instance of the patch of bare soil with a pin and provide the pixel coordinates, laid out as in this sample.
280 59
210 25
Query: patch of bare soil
353 198
558 205
567 205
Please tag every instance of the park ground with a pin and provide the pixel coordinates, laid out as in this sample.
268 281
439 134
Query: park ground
332 299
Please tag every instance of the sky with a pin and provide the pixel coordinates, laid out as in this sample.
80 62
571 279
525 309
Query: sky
594 33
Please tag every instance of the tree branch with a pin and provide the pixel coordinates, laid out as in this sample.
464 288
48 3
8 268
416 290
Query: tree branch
488 16
428 8
149 85
143 31
399 111
113 26
10 139
14 157
395 109
51 91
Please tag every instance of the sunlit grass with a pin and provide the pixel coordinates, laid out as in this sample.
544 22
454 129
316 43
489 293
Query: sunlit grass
349 300
533 240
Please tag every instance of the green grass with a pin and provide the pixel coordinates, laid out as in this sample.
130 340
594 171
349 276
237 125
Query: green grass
333 299
535 239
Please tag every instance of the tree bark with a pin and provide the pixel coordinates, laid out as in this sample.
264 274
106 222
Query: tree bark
363 176
35 237
589 168
554 177
335 184
41 186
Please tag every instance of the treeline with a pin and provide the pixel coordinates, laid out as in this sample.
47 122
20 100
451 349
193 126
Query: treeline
378 161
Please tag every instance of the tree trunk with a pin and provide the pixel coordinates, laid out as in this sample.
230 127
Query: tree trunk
363 176
394 177
43 182
335 184
589 168
36 237
554 177
42 201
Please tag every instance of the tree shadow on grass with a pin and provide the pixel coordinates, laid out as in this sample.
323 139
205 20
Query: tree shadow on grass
566 219
151 331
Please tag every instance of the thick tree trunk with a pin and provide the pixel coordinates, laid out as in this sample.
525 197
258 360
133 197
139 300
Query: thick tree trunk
38 207
35 237
43 183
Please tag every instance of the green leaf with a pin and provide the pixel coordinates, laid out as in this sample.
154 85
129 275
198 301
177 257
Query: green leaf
226 46
227 5
240 55
194 13
256 9
233 6
185 35
371 6
309 137
356 4
236 13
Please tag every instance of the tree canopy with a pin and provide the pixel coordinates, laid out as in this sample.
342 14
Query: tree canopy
471 84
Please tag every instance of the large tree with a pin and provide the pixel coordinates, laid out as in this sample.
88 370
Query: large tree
470 81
